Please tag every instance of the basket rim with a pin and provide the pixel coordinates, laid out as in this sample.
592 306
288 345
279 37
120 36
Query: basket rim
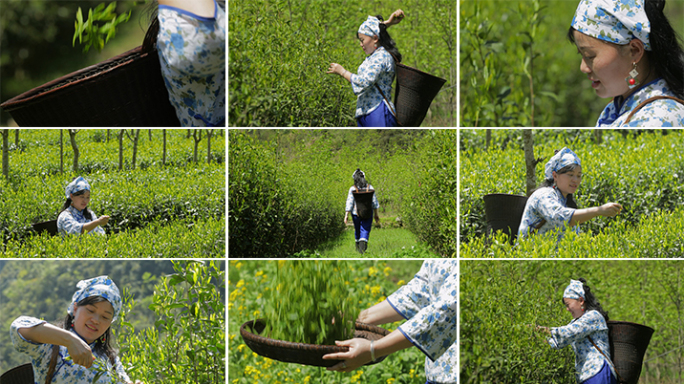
419 71
619 322
31 95
294 345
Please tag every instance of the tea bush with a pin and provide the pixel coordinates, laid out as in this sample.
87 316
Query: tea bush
187 342
177 194
642 171
249 286
280 50
499 299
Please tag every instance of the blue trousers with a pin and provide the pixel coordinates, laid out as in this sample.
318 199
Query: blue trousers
380 117
605 376
362 228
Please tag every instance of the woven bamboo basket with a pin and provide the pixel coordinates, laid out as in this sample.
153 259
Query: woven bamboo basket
46 226
364 203
504 213
22 374
307 354
127 90
628 344
414 94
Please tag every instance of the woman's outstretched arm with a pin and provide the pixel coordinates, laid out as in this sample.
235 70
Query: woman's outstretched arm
585 214
381 313
49 334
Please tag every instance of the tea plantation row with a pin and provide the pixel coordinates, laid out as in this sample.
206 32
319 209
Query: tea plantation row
172 203
500 299
289 198
642 171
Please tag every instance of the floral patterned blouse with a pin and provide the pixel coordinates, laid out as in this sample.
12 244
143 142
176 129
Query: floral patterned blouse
71 220
66 372
659 113
428 302
350 206
588 360
192 53
546 204
378 68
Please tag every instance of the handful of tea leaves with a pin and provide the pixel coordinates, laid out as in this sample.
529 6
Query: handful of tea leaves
310 301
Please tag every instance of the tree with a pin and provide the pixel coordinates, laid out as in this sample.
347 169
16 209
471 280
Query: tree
16 138
197 136
74 146
210 133
530 162
121 134
61 151
164 150
5 153
134 139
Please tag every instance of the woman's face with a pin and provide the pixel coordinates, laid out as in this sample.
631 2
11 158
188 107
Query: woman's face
367 43
568 182
81 201
574 306
92 320
606 65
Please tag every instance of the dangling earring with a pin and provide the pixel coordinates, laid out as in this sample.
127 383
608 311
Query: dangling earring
632 78
103 338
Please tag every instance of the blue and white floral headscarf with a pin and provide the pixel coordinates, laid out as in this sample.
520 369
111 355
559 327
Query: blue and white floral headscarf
614 21
574 290
77 185
98 286
370 27
562 159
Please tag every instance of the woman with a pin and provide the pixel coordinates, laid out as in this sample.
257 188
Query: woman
64 354
587 333
191 47
76 218
552 206
428 303
631 53
362 226
373 82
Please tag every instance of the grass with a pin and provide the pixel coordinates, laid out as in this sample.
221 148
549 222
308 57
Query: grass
383 242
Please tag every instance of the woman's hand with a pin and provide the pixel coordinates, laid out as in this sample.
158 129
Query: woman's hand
541 329
337 69
377 221
395 18
103 220
610 209
346 217
80 352
358 355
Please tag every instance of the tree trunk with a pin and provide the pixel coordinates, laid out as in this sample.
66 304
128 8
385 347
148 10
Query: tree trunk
5 153
530 163
108 132
16 138
598 136
188 134
74 146
61 151
121 134
149 135
164 152
135 146
197 138
488 138
209 134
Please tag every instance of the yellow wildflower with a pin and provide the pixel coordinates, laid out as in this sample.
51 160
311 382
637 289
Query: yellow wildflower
259 273
390 380
372 271
400 283
238 265
412 373
240 283
387 271
375 290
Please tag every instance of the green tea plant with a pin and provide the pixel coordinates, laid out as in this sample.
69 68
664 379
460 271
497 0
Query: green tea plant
187 343
370 282
310 302
95 34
